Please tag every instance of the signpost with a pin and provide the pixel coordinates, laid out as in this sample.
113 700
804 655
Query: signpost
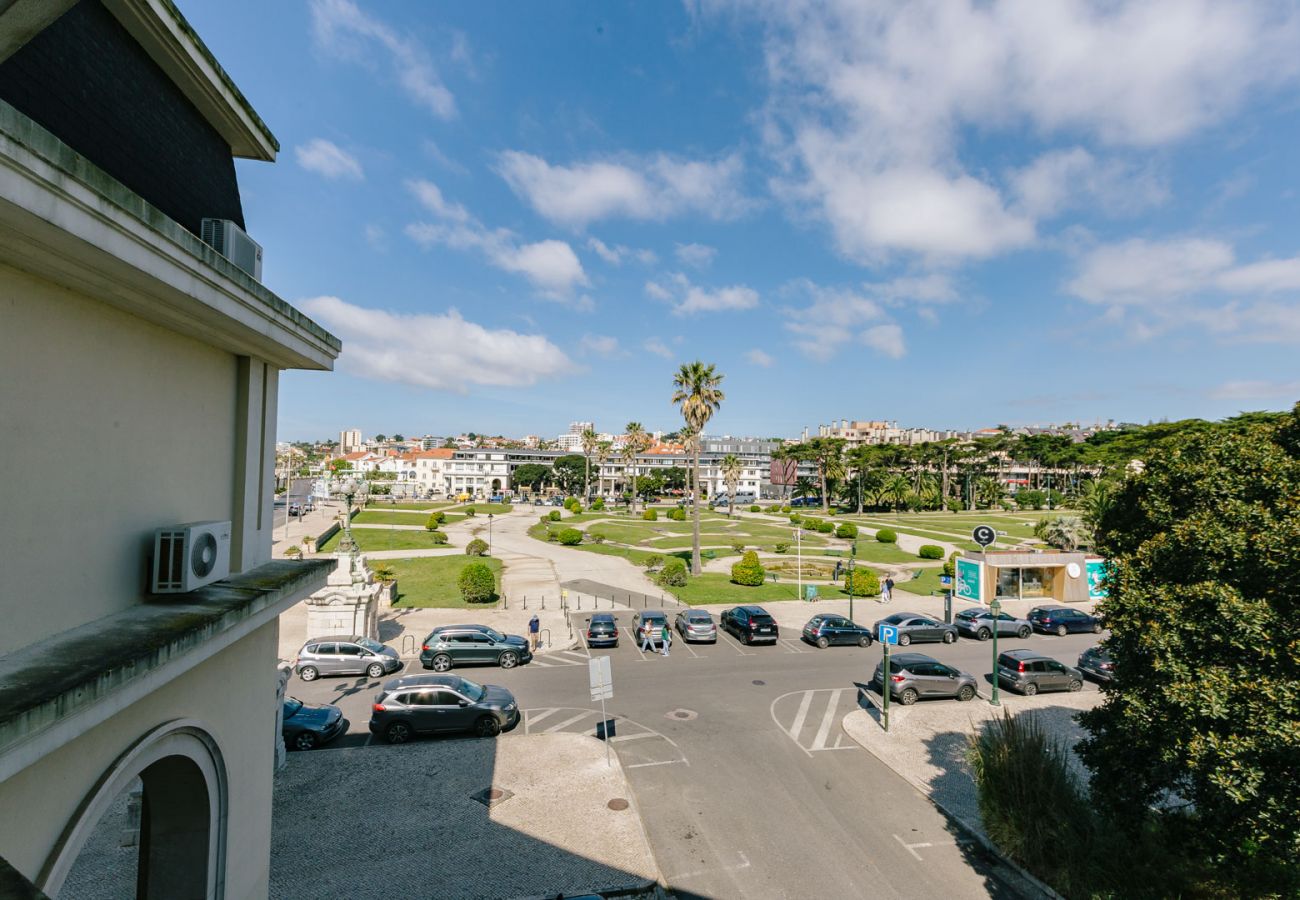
602 689
984 535
888 635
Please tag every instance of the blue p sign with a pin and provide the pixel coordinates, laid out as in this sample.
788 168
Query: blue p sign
888 634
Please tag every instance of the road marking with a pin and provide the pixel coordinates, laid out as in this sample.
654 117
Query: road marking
744 864
911 848
737 646
687 647
531 717
666 762
632 637
568 722
632 737
820 741
800 716
788 646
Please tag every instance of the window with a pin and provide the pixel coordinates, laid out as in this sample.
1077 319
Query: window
422 698
327 649
349 650
1037 665
446 698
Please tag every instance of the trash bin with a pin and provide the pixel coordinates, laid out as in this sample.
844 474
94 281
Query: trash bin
605 729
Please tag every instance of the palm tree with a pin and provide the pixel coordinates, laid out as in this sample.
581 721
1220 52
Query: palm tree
827 453
1067 533
690 440
636 441
990 490
604 450
589 441
731 469
896 490
696 391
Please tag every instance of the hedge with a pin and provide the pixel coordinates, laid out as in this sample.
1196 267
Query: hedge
477 584
887 536
865 583
930 551
570 537
749 571
755 508
673 574
476 547
825 527
650 515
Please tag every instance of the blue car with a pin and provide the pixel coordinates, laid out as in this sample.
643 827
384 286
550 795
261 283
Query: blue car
1062 620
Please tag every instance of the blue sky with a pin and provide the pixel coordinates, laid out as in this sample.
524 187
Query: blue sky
951 214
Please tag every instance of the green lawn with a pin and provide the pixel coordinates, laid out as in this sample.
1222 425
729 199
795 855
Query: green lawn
926 582
431 581
384 539
713 587
871 550
481 509
389 517
422 506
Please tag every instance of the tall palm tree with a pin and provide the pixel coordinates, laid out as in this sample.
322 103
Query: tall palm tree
604 450
690 440
589 442
635 442
897 489
731 469
827 453
696 391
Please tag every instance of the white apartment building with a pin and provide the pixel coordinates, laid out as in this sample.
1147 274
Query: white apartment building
350 441
859 434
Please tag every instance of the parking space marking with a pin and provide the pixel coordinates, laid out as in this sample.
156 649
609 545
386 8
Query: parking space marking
821 739
911 848
632 637
532 716
637 745
799 718
789 646
735 644
686 645
619 738
567 722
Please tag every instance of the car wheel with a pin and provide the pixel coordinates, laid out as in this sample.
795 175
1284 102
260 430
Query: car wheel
398 733
509 660
1096 628
864 641
308 673
375 670
1061 631
1076 684
304 740
983 634
949 637
1030 689
908 697
487 726
823 643
904 640
1024 632
441 663
966 693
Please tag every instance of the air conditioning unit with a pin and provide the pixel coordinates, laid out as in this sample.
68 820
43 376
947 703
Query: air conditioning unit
230 241
186 557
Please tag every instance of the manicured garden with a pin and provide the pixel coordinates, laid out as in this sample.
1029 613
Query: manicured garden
432 581
371 539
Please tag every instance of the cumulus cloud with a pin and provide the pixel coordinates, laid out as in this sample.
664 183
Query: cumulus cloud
688 298
699 256
887 339
342 29
438 351
827 323
1060 180
759 358
640 188
328 160
600 345
657 347
615 255
1141 271
430 197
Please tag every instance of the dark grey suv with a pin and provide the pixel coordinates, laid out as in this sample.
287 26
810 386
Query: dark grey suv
1029 672
345 655
458 645
429 704
915 676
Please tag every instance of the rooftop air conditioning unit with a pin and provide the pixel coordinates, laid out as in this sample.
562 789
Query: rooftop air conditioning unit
187 557
230 241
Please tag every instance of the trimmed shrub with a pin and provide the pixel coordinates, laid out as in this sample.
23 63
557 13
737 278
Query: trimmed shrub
785 508
825 527
781 548
653 561
553 515
570 537
950 564
477 583
673 574
954 505
865 582
887 536
650 515
552 536
846 530
738 546
476 547
755 508
749 571
435 519
438 537
930 551
596 538
544 518
1028 499
598 505
677 514
573 504
469 511
794 518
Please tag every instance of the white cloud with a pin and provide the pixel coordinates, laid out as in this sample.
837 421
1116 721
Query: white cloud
616 254
649 188
834 316
342 29
688 299
1064 179
1141 271
431 198
759 358
699 256
656 346
887 339
328 160
933 288
1266 277
376 237
600 345
1256 390
438 351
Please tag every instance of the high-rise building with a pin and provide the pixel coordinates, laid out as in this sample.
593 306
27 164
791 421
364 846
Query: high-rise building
350 441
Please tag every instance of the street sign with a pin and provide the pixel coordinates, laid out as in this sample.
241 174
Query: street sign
888 634
970 575
984 535
810 592
602 678
945 579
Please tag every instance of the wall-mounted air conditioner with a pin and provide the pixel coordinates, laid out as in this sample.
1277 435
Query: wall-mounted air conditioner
186 557
230 241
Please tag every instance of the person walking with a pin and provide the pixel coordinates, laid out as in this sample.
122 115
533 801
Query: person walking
887 594
647 638
666 639
534 628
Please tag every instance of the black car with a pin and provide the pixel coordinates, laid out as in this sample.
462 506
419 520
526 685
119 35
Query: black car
602 630
430 704
916 628
1096 661
308 727
750 624
1062 620
825 630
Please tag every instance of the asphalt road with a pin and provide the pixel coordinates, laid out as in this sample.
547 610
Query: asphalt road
746 782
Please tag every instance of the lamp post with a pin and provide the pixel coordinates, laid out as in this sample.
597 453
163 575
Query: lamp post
853 552
995 608
798 553
489 534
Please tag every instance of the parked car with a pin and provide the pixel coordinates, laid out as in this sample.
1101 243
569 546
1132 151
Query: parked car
805 501
825 630
696 625
460 644
1096 661
979 624
295 509
308 727
750 624
602 630
1029 672
916 628
496 498
1063 620
915 676
345 655
537 501
557 501
429 704
652 621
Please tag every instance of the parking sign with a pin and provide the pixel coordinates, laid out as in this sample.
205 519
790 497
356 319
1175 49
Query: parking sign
888 634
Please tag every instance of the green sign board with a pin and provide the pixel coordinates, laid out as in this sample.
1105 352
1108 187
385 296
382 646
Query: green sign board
968 579
810 592
1096 572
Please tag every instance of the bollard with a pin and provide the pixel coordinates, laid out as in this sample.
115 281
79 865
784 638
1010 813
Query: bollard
543 601
579 603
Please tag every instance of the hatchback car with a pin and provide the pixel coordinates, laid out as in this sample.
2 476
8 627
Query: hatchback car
916 628
460 644
308 727
430 704
825 630
696 625
345 655
1096 661
1061 620
915 676
750 624
979 624
652 621
1029 672
602 630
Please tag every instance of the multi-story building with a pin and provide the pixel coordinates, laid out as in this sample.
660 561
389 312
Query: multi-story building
350 441
859 434
118 132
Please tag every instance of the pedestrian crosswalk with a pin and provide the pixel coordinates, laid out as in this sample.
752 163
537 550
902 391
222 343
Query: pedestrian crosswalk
812 718
637 746
548 660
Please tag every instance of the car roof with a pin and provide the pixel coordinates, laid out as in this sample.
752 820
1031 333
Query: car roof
900 616
335 638
408 681
1049 608
911 659
1025 654
754 610
602 616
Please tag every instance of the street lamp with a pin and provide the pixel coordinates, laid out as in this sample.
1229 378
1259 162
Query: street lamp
798 552
489 534
853 552
995 608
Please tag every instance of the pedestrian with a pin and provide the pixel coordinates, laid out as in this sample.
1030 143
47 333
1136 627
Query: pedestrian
888 593
534 627
666 639
837 570
647 640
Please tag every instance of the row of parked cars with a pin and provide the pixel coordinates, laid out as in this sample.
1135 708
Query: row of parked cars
915 676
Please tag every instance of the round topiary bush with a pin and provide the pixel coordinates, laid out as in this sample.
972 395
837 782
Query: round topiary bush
846 530
930 551
476 547
598 505
794 518
650 515
573 505
749 571
785 508
781 548
677 514
438 537
755 508
477 583
825 527
865 583
435 519
887 536
553 515
673 574
570 537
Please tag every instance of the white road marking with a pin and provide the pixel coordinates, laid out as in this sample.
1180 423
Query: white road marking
801 715
632 737
788 646
689 649
632 637
911 848
744 864
666 762
532 716
819 742
568 722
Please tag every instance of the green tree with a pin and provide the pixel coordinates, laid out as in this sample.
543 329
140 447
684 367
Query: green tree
476 547
635 441
477 583
696 391
604 450
749 571
530 475
567 472
1203 594
589 442
731 467
897 490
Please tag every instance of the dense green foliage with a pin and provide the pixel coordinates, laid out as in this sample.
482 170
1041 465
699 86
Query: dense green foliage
846 530
1029 499
598 505
435 519
477 583
754 507
749 571
887 536
476 547
530 475
553 515
438 537
677 514
825 527
650 515
568 472
570 537
864 582
573 505
673 573
930 551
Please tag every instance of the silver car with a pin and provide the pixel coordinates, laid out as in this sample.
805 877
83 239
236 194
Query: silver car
345 655
915 676
979 624
915 628
696 625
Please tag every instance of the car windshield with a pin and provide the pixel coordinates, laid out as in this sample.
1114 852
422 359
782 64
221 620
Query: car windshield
372 646
969 614
472 690
700 619
898 617
291 707
496 636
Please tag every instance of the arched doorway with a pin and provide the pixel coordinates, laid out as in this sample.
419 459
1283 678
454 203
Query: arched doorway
496 485
154 825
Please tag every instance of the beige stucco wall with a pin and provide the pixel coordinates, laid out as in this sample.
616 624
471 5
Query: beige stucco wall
233 695
109 428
